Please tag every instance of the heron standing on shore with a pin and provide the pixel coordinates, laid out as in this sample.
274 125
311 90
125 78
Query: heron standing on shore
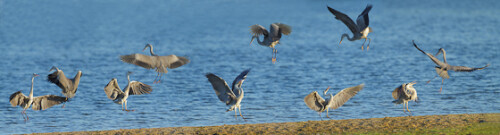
315 102
405 93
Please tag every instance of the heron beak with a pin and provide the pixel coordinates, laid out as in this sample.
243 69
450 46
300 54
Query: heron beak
36 75
53 68
252 40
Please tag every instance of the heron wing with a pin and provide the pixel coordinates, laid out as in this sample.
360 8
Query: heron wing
221 88
145 61
258 30
173 61
363 20
18 99
344 95
466 69
345 19
434 59
139 88
396 94
275 32
47 101
314 101
58 78
285 29
113 91
442 72
241 77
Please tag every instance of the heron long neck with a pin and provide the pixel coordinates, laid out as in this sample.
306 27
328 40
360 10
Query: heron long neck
151 50
128 78
444 55
31 91
345 35
258 40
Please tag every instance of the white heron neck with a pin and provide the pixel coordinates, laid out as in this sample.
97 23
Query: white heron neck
31 91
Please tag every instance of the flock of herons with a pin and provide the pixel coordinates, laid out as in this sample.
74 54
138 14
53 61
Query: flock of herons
231 96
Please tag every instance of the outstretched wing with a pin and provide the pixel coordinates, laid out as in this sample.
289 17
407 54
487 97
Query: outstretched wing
18 99
345 19
58 78
237 80
47 101
343 96
145 61
396 94
139 88
314 101
434 59
467 69
363 20
173 61
258 30
221 88
113 91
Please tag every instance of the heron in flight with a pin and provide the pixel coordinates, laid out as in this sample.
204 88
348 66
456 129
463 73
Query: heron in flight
443 67
315 102
159 63
118 96
232 97
359 29
405 93
68 86
272 37
36 103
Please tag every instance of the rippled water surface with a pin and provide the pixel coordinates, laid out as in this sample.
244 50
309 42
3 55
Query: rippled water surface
90 35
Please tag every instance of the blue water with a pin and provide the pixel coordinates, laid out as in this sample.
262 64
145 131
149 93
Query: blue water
90 35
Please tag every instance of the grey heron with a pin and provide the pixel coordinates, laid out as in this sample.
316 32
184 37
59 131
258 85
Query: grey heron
159 63
272 37
443 67
405 93
36 103
359 29
118 96
232 97
68 86
315 102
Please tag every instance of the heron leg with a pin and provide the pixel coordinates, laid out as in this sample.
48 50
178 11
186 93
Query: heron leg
64 104
432 79
235 114
363 44
408 109
157 74
23 113
122 106
442 82
274 56
319 113
126 107
239 109
368 46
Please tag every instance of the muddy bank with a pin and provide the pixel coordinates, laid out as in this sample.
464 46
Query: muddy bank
454 123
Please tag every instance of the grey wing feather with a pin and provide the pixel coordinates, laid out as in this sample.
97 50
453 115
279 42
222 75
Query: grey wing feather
345 19
396 93
173 61
145 61
113 91
363 20
343 96
258 30
434 59
314 101
221 88
442 72
139 88
275 32
466 69
285 29
47 101
58 78
18 98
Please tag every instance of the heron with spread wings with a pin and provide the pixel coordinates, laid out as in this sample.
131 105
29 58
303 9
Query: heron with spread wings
232 97
36 103
404 93
68 86
443 67
118 96
271 37
359 29
159 63
315 102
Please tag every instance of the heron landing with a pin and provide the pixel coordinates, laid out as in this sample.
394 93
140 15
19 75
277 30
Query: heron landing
118 96
443 67
68 86
159 63
232 97
272 37
405 93
315 102
359 29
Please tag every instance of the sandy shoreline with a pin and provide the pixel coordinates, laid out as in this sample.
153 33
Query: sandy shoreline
457 123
